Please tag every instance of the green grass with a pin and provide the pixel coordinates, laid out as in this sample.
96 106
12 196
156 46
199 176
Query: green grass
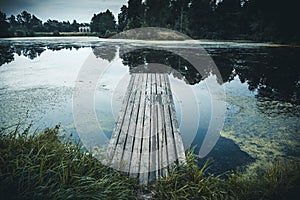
46 166
188 181
42 167
281 180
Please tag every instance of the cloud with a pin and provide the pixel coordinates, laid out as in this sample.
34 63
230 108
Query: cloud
62 10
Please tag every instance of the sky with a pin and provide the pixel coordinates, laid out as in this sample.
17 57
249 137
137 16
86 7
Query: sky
62 10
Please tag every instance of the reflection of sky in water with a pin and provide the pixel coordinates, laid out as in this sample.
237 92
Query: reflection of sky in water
43 87
52 68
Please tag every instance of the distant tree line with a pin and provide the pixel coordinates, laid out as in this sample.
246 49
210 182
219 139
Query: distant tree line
26 24
259 20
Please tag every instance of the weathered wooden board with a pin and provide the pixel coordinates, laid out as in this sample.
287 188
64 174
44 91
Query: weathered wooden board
146 141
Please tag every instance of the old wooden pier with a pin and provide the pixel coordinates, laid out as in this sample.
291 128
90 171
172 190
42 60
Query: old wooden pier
146 141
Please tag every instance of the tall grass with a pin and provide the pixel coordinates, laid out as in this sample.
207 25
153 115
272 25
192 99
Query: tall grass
42 167
278 181
188 181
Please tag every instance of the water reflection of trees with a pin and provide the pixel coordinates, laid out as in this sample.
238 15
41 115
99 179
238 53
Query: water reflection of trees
273 72
6 54
31 51
106 52
179 67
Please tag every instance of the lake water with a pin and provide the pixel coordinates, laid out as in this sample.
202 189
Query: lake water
261 82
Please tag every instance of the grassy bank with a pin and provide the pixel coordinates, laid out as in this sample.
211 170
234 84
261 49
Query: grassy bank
43 166
188 181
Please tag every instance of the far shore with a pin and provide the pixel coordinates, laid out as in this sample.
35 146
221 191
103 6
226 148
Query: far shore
50 34
204 40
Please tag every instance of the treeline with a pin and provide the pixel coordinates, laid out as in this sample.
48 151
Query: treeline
260 20
26 24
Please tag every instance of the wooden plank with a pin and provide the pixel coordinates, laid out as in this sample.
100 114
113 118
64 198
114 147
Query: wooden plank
136 154
117 129
130 134
153 138
120 145
180 153
144 165
162 131
169 136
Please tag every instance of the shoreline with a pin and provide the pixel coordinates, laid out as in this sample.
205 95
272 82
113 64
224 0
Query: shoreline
201 41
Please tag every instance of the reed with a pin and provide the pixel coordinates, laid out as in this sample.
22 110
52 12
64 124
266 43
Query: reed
47 166
42 166
279 180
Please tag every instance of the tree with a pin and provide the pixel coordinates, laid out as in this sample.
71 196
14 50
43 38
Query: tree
123 18
179 14
103 23
201 18
229 18
74 26
51 25
24 19
36 24
157 12
135 14
4 25
66 26
12 21
272 20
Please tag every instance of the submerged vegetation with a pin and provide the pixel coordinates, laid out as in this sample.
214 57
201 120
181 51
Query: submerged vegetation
46 166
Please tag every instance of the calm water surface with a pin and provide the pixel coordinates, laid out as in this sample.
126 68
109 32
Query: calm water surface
261 81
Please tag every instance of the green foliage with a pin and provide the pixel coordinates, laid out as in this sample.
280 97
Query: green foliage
258 20
4 25
187 181
277 181
103 22
26 24
42 167
47 166
54 25
135 14
56 33
123 18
